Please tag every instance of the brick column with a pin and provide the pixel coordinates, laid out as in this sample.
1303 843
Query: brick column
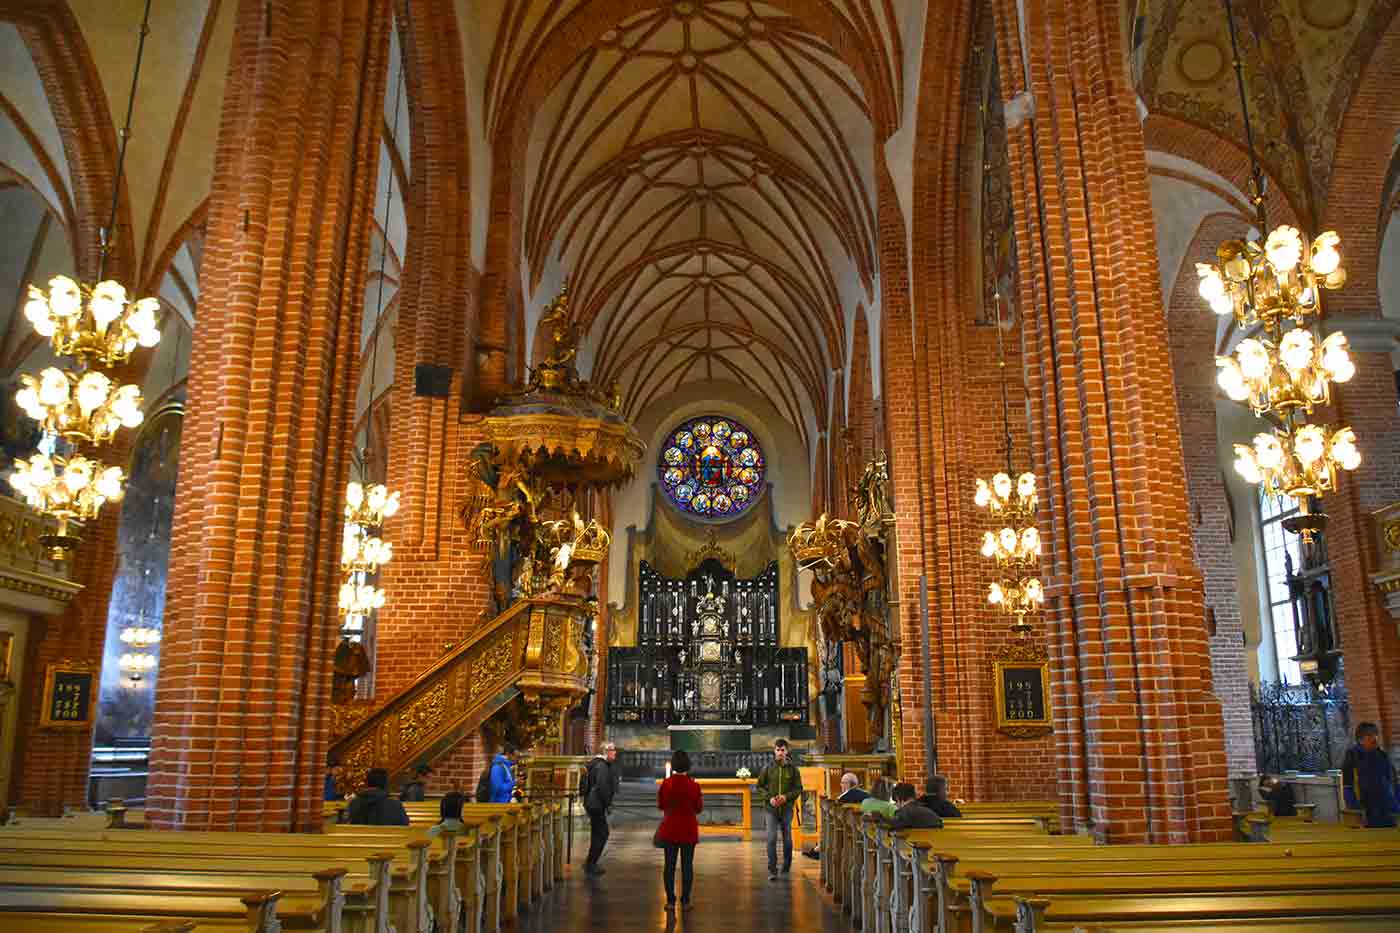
240 731
1140 734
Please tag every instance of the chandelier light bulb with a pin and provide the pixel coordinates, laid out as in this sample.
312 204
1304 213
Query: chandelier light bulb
1231 378
378 495
92 392
1001 485
1325 257
1284 249
1309 445
354 495
106 304
1025 485
1247 465
995 595
1030 542
1268 451
1008 539
1344 451
1336 358
1253 359
989 544
1296 350
983 497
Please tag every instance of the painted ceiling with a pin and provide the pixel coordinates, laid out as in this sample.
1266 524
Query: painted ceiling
1302 61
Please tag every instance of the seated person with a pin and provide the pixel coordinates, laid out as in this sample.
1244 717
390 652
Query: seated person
416 790
879 800
936 799
1278 795
911 814
850 793
850 789
450 812
372 805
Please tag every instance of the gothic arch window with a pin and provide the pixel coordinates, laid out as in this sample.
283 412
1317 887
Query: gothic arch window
711 467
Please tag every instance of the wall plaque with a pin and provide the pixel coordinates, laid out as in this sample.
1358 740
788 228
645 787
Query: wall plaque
1021 679
70 696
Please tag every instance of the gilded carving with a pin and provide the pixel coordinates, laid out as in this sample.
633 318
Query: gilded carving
419 719
847 560
493 662
1391 535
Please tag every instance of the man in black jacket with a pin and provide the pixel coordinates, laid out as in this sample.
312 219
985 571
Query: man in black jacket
597 790
911 814
936 799
373 806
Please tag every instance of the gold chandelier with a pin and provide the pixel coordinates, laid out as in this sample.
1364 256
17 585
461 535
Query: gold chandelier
1014 544
363 552
1275 286
84 408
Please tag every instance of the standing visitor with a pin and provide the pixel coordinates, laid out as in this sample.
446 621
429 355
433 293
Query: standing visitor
779 786
1368 778
597 790
680 800
503 776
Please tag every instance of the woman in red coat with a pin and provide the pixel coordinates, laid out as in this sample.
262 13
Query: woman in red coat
679 798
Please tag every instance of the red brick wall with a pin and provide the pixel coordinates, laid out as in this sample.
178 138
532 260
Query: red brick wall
240 733
1138 732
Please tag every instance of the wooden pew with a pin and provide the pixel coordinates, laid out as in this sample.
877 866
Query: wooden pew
225 908
384 895
960 878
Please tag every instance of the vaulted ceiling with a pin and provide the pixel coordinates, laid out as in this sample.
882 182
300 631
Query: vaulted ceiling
704 174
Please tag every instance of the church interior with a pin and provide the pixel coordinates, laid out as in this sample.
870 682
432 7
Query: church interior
399 393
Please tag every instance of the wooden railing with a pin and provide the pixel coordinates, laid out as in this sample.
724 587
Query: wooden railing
534 649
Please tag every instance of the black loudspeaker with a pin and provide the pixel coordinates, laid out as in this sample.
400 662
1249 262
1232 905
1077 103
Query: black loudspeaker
432 381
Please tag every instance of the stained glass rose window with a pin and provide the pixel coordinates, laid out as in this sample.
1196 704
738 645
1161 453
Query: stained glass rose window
711 467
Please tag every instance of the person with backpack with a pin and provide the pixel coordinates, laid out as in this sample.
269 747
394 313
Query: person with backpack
497 783
597 789
373 806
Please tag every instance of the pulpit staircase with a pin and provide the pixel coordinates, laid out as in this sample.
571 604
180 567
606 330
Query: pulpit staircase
532 651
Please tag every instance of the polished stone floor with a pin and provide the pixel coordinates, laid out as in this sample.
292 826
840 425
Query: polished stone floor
732 892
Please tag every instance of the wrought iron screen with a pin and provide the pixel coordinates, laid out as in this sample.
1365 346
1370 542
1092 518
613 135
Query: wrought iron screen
1298 728
707 652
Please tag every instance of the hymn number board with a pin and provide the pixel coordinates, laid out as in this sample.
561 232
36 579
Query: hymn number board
69 696
1023 695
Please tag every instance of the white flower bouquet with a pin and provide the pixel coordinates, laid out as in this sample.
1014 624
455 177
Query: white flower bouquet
743 773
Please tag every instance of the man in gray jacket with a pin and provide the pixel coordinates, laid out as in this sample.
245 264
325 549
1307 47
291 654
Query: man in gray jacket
597 790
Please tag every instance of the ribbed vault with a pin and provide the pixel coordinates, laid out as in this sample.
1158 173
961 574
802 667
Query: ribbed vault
704 174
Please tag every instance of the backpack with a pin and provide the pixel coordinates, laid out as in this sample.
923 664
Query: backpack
585 784
483 786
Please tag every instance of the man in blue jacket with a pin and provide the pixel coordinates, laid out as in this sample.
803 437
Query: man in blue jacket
503 776
1368 778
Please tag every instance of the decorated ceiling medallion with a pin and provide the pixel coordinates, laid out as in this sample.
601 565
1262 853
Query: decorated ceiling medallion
711 467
